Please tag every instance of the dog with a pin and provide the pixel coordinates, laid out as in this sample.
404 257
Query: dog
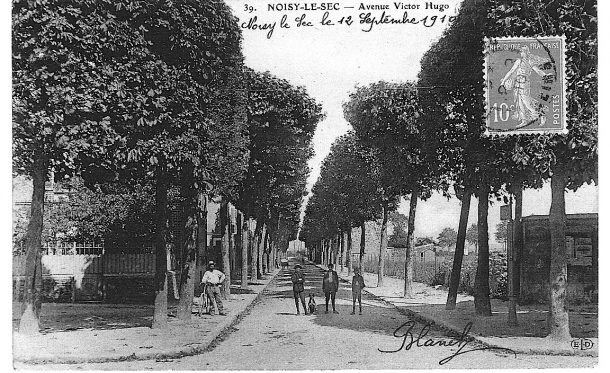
311 305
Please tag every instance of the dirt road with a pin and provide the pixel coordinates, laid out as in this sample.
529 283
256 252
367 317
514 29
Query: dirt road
272 336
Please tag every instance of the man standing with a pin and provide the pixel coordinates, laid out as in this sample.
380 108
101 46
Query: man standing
298 287
357 286
330 286
213 278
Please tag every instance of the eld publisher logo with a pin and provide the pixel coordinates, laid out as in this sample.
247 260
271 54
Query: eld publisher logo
582 344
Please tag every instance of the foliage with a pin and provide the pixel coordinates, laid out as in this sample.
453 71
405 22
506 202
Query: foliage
447 237
399 222
501 231
121 217
61 79
385 116
346 194
472 234
498 277
281 121
576 152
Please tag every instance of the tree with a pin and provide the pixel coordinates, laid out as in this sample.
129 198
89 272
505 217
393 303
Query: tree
568 160
501 231
385 117
472 235
345 195
163 80
447 237
399 235
281 122
62 76
514 160
454 117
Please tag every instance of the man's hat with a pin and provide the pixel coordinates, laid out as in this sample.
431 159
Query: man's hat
297 266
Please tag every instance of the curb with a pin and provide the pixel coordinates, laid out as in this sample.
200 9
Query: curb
215 337
455 332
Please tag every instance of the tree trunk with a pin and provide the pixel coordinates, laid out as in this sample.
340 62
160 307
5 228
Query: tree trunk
408 285
482 303
348 254
558 319
515 263
161 217
225 289
245 232
273 258
362 246
323 243
458 256
231 242
29 321
383 244
254 250
259 263
342 245
336 251
202 235
187 291
266 247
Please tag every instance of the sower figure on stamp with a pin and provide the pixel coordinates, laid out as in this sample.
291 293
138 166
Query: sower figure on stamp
518 78
330 286
213 278
298 288
357 286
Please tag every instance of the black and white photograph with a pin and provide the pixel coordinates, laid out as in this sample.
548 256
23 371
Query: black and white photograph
256 185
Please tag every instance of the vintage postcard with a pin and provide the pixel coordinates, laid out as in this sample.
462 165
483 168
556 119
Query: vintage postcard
280 185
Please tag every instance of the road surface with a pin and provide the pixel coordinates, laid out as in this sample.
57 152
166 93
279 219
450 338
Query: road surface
272 336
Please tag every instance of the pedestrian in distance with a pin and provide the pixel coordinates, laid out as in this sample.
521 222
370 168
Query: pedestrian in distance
330 286
212 279
357 286
298 287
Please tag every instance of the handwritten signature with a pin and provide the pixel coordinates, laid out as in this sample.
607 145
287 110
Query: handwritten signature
409 339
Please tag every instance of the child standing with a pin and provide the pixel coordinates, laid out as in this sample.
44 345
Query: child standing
357 286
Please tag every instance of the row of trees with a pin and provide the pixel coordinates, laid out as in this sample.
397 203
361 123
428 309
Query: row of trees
410 139
154 95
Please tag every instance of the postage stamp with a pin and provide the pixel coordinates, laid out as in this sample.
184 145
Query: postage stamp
525 85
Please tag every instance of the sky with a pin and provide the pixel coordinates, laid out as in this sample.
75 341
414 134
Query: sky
329 61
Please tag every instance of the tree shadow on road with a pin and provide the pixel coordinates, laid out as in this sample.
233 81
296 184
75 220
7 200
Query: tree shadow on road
377 317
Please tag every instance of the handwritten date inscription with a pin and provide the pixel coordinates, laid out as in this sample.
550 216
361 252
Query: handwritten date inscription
309 15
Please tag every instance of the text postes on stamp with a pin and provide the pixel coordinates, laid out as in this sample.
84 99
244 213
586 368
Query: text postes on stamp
525 85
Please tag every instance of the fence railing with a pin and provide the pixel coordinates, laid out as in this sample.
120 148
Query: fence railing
80 264
90 277
425 267
73 248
